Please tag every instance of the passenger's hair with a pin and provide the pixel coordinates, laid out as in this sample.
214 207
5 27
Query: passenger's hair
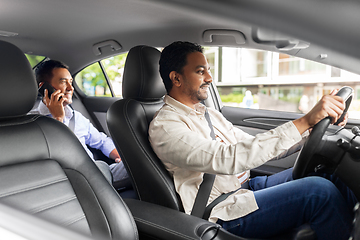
44 71
173 58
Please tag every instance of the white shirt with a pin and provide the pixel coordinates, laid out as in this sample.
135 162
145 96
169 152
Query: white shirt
84 130
180 136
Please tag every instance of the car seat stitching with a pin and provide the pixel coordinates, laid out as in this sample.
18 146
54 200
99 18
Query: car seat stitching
95 197
52 205
104 215
42 131
75 220
142 73
163 228
32 188
32 119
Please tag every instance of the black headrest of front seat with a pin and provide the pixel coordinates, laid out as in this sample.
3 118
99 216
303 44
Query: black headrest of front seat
18 86
141 79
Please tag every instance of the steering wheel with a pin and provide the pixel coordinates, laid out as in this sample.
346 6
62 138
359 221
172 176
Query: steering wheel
303 164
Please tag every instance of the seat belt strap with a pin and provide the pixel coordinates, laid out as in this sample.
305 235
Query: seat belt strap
207 117
200 209
72 120
221 198
203 194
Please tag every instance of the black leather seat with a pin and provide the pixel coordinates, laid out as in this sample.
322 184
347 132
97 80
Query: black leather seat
44 169
128 120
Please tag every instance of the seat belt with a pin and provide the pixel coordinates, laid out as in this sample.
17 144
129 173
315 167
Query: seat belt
203 194
72 120
200 209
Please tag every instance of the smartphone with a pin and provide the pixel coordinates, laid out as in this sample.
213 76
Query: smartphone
47 86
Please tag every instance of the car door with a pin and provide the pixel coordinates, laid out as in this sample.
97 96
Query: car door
258 121
98 86
270 104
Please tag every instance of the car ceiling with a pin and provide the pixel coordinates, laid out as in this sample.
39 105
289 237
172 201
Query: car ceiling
68 29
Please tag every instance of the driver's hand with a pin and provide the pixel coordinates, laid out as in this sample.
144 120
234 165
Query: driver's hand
329 105
55 104
344 121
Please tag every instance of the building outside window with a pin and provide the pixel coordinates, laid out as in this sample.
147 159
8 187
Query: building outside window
275 81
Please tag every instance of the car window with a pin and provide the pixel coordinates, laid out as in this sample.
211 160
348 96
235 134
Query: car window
103 78
92 81
275 81
34 59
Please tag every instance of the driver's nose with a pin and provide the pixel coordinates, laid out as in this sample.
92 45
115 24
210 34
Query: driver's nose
208 77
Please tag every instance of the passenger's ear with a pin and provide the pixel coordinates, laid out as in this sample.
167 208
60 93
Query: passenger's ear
174 76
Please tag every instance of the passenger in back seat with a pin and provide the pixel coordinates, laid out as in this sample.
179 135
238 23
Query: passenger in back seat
58 107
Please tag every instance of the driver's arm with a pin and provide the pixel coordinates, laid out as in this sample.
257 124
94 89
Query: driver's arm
295 148
329 105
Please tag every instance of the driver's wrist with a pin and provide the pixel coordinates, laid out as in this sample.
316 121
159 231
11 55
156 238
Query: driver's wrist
302 124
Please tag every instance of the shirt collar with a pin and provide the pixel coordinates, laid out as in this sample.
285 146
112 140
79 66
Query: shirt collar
182 108
43 110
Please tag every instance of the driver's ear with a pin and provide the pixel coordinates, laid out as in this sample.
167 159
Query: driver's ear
175 78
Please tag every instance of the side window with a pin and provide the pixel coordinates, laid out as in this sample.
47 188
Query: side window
34 60
275 81
92 81
104 78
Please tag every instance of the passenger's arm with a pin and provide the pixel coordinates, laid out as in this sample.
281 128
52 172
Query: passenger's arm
99 140
115 155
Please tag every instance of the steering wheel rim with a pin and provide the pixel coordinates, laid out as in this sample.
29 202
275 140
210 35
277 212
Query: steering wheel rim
302 166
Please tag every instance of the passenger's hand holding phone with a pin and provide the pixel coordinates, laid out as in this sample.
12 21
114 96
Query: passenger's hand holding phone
55 103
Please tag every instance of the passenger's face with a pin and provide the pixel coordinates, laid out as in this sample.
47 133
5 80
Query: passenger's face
196 77
62 80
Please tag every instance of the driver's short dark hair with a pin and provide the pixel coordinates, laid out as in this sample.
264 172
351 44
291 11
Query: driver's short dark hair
44 70
174 58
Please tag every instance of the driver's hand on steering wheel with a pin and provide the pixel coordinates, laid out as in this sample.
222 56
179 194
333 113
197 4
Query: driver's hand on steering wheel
328 105
344 121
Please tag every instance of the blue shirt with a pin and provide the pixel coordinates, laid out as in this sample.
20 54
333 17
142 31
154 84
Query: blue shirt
84 130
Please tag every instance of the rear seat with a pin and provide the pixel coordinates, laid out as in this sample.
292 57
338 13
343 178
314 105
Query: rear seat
79 106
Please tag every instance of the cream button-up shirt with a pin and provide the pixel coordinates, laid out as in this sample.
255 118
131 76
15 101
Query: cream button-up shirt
180 136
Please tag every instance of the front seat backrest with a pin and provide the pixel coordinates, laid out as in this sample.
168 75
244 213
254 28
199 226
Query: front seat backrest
44 170
128 121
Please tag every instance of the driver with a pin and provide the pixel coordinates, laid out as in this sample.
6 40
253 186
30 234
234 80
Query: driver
261 207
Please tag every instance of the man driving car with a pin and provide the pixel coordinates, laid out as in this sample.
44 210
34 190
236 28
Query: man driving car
268 206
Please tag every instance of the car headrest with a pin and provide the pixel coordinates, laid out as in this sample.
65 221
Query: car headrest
142 80
18 89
